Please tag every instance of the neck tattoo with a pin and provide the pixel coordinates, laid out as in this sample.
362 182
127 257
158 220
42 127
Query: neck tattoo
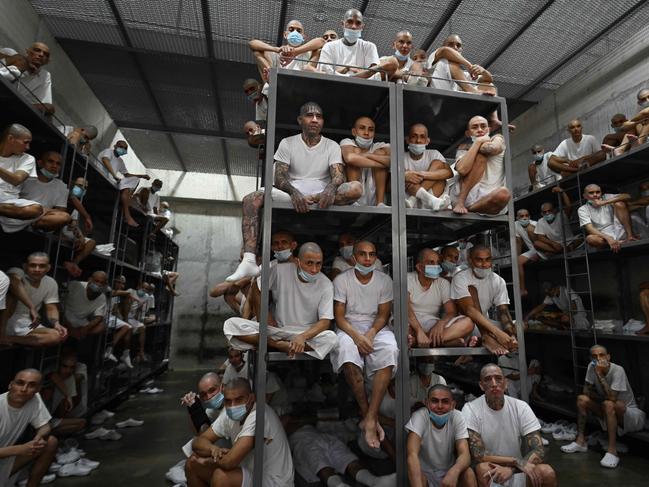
495 403
311 140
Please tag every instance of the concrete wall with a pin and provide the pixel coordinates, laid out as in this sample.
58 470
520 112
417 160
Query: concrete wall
210 241
606 88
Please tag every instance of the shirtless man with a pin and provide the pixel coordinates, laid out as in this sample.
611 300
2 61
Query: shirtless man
608 395
31 289
367 162
428 294
605 217
481 168
362 306
309 170
426 172
475 291
353 56
580 150
295 54
303 298
505 437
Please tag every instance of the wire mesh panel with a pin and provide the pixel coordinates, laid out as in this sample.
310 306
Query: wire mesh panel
153 149
201 153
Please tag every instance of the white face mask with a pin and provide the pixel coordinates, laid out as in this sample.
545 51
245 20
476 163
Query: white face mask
481 273
363 143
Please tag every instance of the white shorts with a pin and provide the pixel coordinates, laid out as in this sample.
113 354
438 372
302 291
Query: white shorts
313 451
115 323
434 478
428 323
476 330
442 78
477 193
616 230
128 183
321 344
4 288
13 225
634 419
385 354
135 324
20 326
369 188
75 322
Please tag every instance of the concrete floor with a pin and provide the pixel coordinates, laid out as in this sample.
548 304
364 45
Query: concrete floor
146 453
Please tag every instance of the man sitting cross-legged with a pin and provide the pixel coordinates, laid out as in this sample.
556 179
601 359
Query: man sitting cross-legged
30 289
21 406
438 450
362 307
578 151
428 294
367 161
481 168
213 466
505 437
303 299
309 170
605 218
607 394
475 291
426 172
85 306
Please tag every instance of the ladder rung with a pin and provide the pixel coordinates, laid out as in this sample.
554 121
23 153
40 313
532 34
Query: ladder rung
578 275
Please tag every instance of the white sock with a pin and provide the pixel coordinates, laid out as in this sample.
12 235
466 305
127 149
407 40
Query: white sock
126 352
428 200
336 481
109 349
366 477
250 257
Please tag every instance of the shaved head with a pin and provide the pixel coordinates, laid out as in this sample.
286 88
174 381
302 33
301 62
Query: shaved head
238 384
310 107
309 247
489 368
418 126
353 13
475 119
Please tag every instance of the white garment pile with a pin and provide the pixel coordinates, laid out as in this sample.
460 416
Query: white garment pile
632 326
607 326
105 249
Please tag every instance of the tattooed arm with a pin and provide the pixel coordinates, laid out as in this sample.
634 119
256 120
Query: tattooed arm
283 182
505 319
479 453
533 445
328 195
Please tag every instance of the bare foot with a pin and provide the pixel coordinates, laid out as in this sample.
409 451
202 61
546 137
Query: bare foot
132 223
73 269
632 238
460 209
463 359
472 341
373 432
493 346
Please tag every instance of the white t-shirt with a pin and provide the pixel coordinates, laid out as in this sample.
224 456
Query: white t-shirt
521 231
422 164
46 293
78 307
361 54
426 303
553 230
117 163
261 109
367 178
152 202
602 217
492 290
572 150
545 175
503 430
278 463
419 391
13 422
308 166
494 174
296 64
300 303
39 83
23 162
342 265
53 194
362 300
437 444
562 301
4 288
617 380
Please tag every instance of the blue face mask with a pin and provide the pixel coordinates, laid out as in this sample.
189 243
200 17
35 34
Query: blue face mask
215 403
351 35
538 158
549 217
347 251
524 221
432 271
400 57
439 419
141 293
294 38
363 143
416 149
283 255
364 270
78 192
236 413
95 288
253 96
120 151
47 174
305 276
449 266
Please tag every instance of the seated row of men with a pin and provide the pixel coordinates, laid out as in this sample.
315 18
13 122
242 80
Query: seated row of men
582 150
445 68
493 439
28 292
312 170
